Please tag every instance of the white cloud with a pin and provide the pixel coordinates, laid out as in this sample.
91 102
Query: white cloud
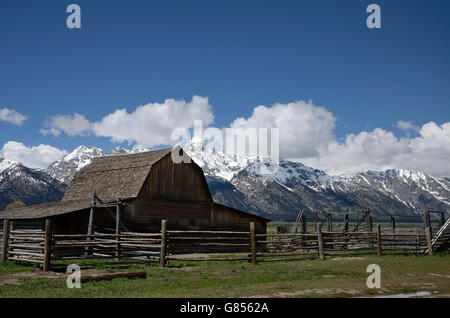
305 129
72 125
380 149
405 125
34 157
150 125
11 116
306 135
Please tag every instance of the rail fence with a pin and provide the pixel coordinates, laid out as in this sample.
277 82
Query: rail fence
46 248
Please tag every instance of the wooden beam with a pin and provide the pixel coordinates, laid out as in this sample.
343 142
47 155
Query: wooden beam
47 244
330 223
91 224
253 242
428 237
162 259
109 276
320 242
118 229
380 252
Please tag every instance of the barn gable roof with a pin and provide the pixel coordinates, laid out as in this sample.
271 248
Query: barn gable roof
113 177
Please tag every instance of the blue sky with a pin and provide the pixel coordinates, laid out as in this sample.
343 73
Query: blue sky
239 54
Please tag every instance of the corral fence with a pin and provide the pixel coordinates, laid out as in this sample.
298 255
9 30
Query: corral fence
46 248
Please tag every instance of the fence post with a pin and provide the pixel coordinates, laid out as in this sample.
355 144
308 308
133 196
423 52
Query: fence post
5 240
304 226
162 259
330 223
253 242
320 242
428 236
380 252
346 221
47 245
118 229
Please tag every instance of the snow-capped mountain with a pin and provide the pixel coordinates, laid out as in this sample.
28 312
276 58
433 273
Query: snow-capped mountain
416 191
65 168
279 191
120 151
217 163
30 186
273 190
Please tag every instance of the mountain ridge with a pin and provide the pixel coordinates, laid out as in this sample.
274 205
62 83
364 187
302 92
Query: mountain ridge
277 191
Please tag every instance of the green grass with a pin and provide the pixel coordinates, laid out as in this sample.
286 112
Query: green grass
345 277
9 267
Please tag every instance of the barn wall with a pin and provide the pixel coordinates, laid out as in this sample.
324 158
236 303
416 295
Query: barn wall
225 218
147 215
168 181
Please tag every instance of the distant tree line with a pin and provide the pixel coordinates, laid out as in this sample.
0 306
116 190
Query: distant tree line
15 205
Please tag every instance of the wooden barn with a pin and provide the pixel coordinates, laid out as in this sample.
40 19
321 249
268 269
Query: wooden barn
136 192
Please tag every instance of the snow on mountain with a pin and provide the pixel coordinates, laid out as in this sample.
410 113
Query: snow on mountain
417 191
217 163
65 168
30 186
118 151
5 163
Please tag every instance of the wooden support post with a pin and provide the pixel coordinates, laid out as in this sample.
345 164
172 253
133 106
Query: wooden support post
316 219
346 221
162 259
429 244
380 252
118 229
393 229
47 245
6 229
329 223
427 221
369 223
90 226
253 242
304 225
320 242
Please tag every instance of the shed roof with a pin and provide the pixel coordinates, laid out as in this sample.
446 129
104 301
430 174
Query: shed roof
45 210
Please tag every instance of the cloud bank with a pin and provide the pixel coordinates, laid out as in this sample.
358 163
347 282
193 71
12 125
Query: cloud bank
34 157
306 134
149 125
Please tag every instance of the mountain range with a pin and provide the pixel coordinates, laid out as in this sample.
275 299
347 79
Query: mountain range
276 191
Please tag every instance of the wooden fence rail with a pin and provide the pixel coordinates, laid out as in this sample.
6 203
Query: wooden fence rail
44 247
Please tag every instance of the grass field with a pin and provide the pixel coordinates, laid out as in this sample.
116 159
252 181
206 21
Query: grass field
338 277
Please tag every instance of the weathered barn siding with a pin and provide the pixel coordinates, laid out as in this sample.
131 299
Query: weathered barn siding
168 181
226 218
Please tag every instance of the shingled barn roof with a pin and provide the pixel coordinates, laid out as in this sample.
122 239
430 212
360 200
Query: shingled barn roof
110 177
113 177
